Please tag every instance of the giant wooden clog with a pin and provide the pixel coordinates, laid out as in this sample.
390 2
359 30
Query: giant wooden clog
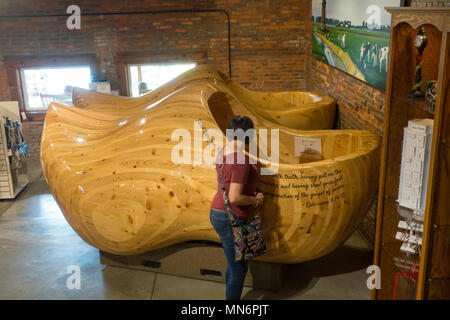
111 170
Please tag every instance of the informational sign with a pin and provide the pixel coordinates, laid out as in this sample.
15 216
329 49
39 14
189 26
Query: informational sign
308 147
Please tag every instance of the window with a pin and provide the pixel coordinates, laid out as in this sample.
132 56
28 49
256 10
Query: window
42 85
146 77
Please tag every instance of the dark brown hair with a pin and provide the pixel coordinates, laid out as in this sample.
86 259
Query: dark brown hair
241 122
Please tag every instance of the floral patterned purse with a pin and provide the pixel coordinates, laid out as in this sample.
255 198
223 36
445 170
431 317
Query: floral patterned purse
248 237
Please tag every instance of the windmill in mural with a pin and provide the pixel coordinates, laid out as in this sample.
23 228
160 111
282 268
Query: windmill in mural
323 26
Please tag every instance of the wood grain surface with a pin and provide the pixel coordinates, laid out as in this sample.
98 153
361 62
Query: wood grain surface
108 162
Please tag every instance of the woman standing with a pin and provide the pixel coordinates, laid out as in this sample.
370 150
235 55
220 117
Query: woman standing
240 180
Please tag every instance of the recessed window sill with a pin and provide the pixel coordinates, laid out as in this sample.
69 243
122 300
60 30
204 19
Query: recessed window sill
35 115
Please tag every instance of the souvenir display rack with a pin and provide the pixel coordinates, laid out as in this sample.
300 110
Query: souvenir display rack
13 168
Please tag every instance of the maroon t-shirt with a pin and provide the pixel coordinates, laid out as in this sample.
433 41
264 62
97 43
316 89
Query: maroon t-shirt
245 173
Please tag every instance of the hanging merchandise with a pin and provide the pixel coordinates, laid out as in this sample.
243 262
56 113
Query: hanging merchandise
24 148
21 144
8 135
13 164
17 147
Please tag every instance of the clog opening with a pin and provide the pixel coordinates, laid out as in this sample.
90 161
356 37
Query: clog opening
291 147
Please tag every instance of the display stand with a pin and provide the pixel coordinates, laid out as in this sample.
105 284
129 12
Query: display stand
199 260
410 246
13 178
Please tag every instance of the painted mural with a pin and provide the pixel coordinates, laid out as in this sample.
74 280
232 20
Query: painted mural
353 36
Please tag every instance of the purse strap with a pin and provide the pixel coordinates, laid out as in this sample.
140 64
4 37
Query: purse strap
225 197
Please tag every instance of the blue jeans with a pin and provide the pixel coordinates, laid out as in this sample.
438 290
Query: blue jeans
236 271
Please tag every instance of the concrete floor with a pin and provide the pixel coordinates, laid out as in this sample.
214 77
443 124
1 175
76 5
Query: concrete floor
37 245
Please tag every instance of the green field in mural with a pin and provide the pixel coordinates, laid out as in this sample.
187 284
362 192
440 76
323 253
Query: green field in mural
367 49
353 36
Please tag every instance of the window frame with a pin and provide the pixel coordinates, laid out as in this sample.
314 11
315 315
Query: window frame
124 60
24 85
129 65
15 64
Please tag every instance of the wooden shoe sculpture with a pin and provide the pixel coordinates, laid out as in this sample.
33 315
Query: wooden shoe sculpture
109 162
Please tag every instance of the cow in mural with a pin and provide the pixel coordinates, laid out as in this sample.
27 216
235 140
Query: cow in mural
375 55
384 54
364 54
342 40
361 52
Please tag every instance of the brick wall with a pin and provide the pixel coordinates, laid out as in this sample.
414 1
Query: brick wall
268 38
32 131
360 106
